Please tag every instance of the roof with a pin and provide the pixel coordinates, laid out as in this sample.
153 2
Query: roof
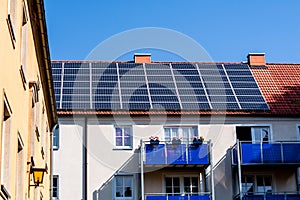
39 29
279 84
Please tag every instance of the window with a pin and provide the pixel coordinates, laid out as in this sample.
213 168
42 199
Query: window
256 184
191 185
11 17
173 185
186 133
19 168
124 187
6 149
176 186
248 184
123 137
56 139
253 134
264 183
55 187
24 45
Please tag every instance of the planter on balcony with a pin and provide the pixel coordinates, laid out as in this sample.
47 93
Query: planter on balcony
176 141
197 141
154 142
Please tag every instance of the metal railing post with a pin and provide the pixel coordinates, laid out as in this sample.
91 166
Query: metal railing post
212 171
239 169
281 150
142 170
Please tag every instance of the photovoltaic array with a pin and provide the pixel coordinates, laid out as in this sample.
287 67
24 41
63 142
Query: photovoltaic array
167 86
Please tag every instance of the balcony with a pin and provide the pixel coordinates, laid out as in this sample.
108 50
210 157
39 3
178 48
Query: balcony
269 196
172 154
267 153
199 196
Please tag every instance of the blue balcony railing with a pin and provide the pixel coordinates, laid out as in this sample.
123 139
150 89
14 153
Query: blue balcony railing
182 154
269 196
268 153
200 196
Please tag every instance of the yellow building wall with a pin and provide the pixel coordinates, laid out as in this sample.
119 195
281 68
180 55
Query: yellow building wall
23 121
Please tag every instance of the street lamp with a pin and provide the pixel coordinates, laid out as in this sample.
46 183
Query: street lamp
38 175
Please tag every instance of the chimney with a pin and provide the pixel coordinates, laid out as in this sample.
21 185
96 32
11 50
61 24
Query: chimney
256 59
142 58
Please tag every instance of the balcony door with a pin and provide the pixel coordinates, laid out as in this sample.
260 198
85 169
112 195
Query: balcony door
180 186
260 134
254 134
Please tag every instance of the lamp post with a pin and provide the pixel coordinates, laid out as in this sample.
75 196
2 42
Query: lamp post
38 176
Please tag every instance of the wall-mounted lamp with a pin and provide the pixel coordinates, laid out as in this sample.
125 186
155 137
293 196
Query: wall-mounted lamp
38 175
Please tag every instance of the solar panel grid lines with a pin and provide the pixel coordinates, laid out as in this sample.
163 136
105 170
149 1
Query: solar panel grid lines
230 84
171 86
176 88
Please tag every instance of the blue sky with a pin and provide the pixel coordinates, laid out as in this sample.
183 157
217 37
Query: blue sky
227 30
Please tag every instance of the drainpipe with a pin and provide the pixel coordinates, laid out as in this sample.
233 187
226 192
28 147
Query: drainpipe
212 171
84 160
239 169
142 170
51 158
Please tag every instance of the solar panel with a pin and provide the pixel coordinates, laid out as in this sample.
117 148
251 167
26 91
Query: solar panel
155 86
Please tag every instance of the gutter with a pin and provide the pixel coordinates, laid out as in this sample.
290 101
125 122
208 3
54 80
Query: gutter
39 30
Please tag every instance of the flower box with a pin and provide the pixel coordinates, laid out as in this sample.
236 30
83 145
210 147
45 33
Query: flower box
154 142
198 140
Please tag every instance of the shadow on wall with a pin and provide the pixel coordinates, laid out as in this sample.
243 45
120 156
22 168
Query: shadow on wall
131 166
223 177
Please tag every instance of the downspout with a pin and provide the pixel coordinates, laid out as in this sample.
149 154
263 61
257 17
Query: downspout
84 160
51 159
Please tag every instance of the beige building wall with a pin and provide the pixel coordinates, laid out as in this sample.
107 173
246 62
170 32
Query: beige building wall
27 115
221 131
104 160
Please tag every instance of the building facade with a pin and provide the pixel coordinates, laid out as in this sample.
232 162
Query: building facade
133 130
27 109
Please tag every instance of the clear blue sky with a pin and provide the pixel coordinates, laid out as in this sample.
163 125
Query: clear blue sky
228 30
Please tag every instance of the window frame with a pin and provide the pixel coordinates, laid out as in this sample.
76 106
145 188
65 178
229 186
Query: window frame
255 187
270 134
180 133
123 146
55 139
57 187
181 183
123 186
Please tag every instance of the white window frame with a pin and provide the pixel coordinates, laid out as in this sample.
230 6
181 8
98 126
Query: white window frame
253 134
270 136
123 142
181 181
180 133
132 187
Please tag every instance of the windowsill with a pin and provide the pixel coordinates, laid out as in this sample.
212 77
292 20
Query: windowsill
4 193
122 148
55 148
23 77
11 30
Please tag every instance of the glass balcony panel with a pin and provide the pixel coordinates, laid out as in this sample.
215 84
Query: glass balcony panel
268 153
170 154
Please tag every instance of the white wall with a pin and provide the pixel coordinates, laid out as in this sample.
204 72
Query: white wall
68 161
104 160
